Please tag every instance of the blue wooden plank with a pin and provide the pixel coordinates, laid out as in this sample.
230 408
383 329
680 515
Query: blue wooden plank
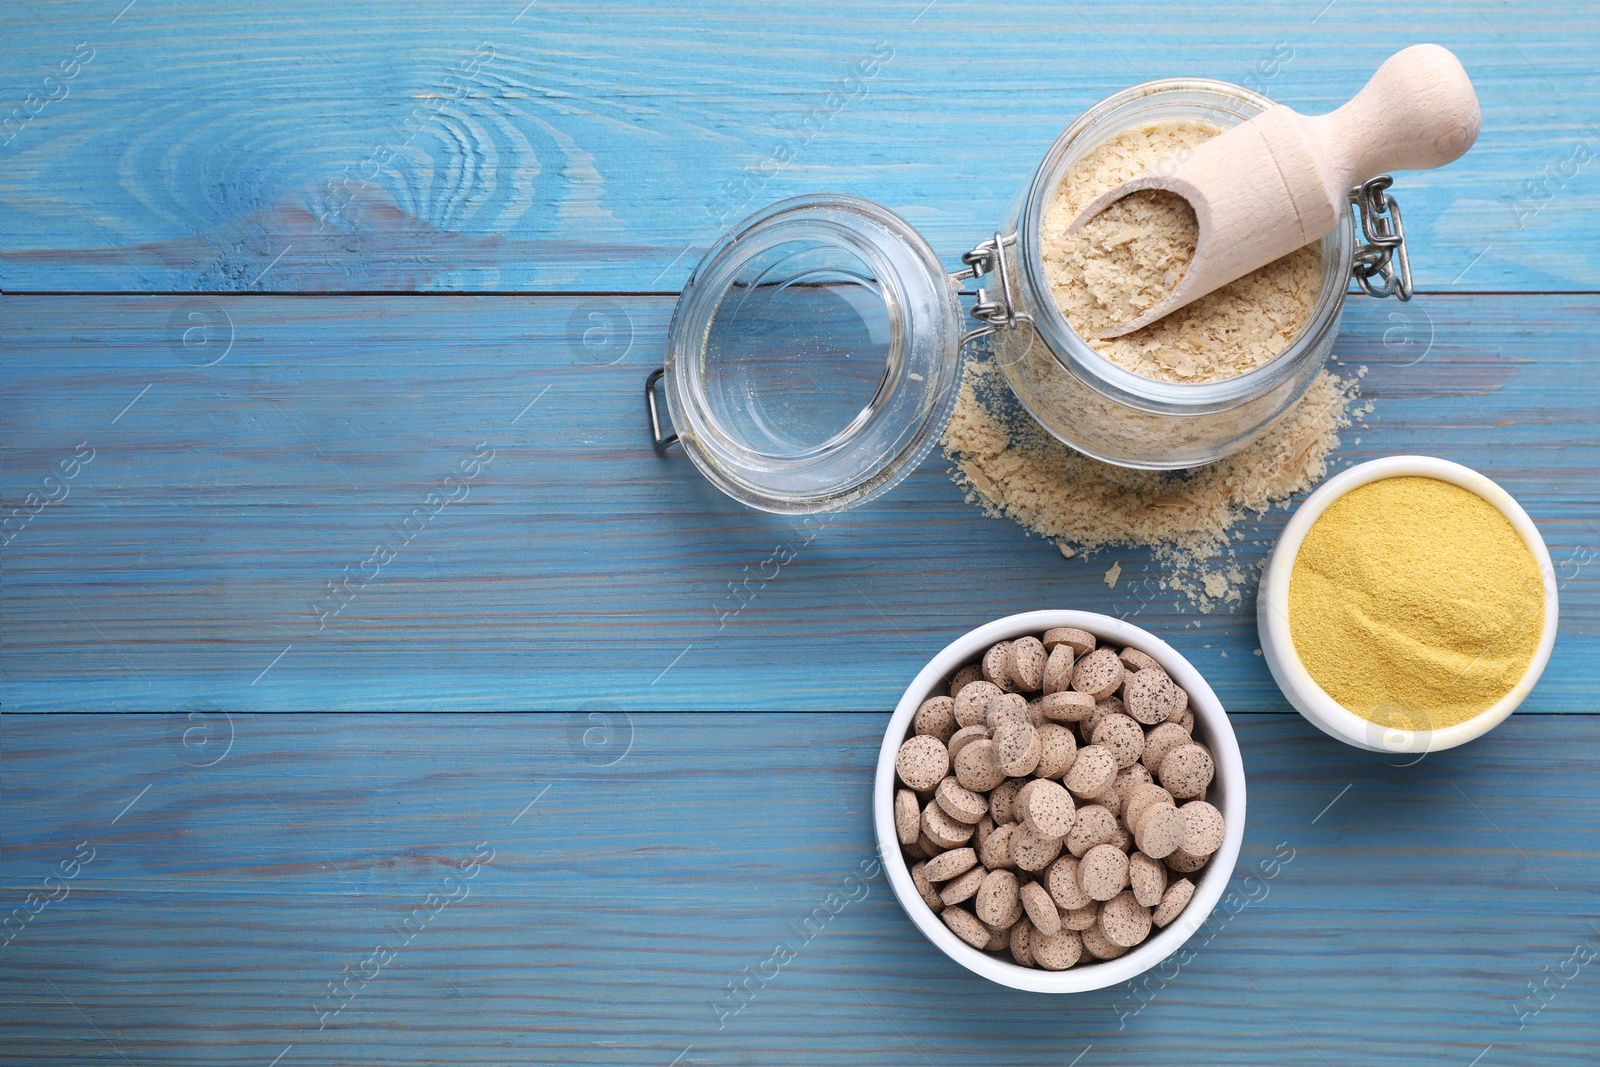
622 899
574 146
189 561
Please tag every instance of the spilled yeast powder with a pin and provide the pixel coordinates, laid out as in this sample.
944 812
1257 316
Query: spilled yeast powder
1414 603
1014 468
1139 253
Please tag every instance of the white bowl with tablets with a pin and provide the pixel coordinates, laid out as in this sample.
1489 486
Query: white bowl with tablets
1190 742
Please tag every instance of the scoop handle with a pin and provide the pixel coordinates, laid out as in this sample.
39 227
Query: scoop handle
1417 112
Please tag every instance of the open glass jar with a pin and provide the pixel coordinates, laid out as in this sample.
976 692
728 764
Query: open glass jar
815 355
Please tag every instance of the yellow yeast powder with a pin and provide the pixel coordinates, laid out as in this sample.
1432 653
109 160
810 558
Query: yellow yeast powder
1414 603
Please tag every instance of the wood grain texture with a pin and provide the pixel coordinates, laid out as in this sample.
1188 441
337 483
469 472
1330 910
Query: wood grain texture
572 146
248 449
1416 905
188 562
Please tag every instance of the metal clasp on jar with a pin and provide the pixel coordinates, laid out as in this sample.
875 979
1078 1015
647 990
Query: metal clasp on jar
659 440
994 311
1384 241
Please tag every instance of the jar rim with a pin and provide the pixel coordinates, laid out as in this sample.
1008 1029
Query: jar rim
1118 383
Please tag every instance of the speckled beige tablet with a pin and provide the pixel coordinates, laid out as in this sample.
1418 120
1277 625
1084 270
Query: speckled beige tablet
936 718
1148 879
1057 674
1122 737
947 865
1185 771
925 890
1057 749
915 851
996 897
1007 707
1081 918
1161 739
978 766
1182 708
1062 883
971 705
1140 799
1092 773
1026 665
1002 800
1080 641
996 849
942 830
963 737
1086 728
981 831
1124 920
1134 661
999 938
922 761
1094 825
1103 871
1130 778
1110 799
1173 901
1159 831
1016 747
1098 674
1067 706
1040 909
966 926
1032 852
1024 785
1203 828
907 817
1109 706
959 802
1098 945
1058 951
936 840
997 666
1184 862
1021 935
1151 697
1185 719
1045 808
962 887
965 677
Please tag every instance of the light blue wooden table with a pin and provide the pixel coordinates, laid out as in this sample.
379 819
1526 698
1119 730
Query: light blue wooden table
562 773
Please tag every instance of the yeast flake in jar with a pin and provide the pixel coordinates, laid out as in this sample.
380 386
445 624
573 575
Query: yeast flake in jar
1094 396
815 354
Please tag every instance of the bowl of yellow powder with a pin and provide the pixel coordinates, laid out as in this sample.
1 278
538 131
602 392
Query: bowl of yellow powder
1409 606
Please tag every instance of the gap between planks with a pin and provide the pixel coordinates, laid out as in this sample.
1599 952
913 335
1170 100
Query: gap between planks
657 711
577 293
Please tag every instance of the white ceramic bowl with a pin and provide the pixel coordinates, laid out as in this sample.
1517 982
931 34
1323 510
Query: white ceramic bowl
1272 612
1227 793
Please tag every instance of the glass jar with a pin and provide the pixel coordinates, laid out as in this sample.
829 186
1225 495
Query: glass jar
814 357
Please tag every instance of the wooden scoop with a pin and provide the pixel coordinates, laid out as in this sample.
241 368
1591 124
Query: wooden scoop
1281 180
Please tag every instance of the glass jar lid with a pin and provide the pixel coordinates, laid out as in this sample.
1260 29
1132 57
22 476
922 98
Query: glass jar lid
814 356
